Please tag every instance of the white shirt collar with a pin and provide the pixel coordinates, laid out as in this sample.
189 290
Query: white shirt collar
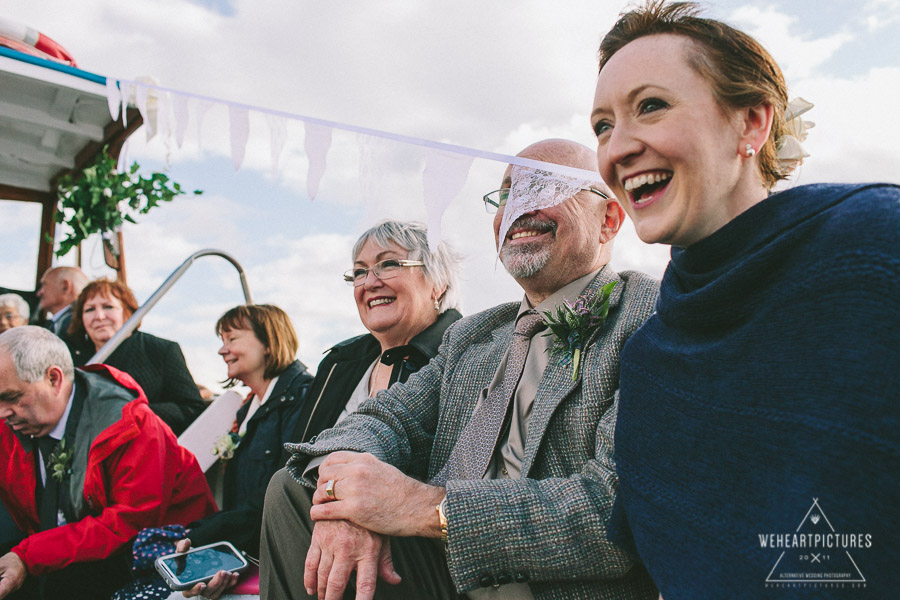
268 391
57 315
60 430
255 405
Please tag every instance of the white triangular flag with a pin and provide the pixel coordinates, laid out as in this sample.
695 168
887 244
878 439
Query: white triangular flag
127 90
180 108
239 118
277 137
203 107
317 143
140 99
443 178
113 98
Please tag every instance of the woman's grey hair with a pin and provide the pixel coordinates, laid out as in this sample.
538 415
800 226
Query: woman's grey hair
33 350
441 267
16 301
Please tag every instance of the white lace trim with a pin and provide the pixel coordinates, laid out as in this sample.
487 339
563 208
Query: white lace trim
534 189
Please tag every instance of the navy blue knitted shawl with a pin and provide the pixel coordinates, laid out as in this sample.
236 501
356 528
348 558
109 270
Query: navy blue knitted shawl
762 398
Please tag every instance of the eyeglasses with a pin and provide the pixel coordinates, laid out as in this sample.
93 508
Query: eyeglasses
12 317
386 269
497 198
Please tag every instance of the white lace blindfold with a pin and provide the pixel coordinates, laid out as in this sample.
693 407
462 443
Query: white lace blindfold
534 189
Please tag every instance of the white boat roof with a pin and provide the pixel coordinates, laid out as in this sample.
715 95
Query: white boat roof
50 114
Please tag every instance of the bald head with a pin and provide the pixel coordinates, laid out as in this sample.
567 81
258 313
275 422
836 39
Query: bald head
60 287
546 244
562 152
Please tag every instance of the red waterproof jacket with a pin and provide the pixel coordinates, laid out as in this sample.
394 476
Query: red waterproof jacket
137 476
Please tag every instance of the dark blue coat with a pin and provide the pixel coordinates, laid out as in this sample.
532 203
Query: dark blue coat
255 460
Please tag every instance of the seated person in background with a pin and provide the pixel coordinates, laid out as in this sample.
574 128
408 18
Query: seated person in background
156 364
13 311
258 346
57 293
496 446
86 466
406 296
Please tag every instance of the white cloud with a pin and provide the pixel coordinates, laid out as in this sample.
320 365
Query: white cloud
879 14
493 75
854 139
797 54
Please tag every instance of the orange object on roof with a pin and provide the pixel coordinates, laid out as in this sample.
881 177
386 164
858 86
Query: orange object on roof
28 40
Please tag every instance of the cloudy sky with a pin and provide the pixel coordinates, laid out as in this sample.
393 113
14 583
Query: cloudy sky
492 76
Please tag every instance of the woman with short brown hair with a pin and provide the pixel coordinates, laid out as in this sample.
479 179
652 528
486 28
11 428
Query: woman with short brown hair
767 377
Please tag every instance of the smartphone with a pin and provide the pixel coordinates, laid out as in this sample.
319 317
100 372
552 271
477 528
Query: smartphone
199 565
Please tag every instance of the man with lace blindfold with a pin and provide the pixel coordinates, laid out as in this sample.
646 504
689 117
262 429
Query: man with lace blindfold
489 472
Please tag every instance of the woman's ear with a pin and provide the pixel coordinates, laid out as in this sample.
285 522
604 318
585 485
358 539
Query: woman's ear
756 124
438 293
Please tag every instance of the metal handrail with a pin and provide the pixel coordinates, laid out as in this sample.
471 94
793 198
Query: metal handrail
132 323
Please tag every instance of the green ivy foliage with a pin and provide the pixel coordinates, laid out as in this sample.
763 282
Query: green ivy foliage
100 199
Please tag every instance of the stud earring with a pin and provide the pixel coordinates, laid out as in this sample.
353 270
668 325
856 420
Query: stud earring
749 152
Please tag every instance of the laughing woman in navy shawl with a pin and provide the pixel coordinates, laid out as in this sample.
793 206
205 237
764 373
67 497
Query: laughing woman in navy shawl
761 398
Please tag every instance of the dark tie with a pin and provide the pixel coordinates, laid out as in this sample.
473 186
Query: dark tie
48 504
472 453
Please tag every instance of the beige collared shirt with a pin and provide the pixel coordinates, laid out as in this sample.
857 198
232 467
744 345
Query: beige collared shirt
510 453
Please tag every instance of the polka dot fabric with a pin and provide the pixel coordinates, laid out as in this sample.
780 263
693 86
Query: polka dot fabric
150 544
154 542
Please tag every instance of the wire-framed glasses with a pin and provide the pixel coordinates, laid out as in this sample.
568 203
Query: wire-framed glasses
386 269
494 200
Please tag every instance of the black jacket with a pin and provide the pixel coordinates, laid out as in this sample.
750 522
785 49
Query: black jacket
345 364
159 367
255 460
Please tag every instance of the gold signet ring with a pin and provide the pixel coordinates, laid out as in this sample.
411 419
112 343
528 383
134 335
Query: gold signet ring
329 489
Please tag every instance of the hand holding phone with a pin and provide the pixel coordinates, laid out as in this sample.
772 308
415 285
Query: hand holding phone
199 565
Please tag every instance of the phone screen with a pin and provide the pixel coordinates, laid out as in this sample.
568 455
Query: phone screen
203 563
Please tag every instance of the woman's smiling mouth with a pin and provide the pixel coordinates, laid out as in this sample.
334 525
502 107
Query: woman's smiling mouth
380 301
642 188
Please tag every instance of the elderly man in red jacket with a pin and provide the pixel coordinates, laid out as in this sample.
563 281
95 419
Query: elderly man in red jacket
85 466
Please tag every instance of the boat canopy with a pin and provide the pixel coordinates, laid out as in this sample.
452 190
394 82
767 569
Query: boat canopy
54 118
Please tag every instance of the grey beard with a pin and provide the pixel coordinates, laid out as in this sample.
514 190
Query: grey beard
525 261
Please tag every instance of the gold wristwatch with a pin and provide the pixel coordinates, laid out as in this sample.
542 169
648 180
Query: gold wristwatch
442 518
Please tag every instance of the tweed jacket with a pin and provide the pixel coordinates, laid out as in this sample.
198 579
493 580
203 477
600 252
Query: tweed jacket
549 527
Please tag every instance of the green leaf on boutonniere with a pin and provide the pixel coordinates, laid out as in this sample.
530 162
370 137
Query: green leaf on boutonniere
61 461
573 323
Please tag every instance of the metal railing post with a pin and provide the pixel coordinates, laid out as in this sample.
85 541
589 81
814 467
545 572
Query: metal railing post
131 324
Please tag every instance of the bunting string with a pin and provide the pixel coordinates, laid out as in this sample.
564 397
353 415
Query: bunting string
403 139
444 175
